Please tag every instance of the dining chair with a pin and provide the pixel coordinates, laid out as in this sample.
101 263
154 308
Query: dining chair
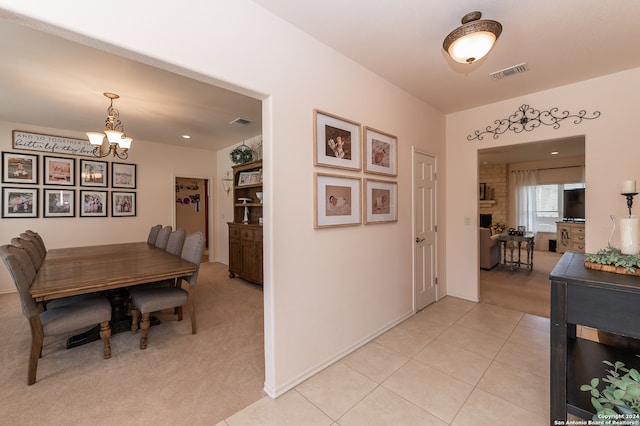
153 234
163 237
61 320
176 241
42 248
147 300
29 244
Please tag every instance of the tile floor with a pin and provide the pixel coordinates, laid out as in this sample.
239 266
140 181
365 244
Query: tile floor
454 363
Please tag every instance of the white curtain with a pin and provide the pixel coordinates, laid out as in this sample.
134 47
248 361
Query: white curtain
525 192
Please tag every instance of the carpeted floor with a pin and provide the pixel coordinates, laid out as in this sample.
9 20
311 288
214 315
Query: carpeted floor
521 291
180 378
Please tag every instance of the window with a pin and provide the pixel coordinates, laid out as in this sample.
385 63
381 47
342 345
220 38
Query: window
549 208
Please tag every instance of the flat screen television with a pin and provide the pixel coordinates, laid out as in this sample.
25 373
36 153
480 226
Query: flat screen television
574 205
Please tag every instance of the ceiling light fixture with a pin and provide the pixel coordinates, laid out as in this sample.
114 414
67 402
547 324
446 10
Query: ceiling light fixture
473 40
119 142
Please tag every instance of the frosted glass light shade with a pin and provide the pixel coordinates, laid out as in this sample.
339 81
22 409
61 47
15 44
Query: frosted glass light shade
125 143
95 138
113 136
472 47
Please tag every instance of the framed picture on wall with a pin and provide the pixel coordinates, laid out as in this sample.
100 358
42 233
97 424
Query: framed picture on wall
59 171
93 173
93 203
337 201
483 191
123 204
381 201
336 141
19 168
59 203
19 202
123 175
380 152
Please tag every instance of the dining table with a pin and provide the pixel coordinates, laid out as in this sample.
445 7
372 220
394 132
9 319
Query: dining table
108 269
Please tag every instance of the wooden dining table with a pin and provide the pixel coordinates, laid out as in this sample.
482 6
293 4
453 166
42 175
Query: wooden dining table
107 269
81 270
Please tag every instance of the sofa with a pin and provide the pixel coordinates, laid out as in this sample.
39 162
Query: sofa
489 250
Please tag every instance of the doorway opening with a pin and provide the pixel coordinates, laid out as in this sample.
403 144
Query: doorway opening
192 208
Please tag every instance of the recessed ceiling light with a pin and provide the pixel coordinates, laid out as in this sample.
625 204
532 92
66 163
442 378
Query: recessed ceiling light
554 153
186 137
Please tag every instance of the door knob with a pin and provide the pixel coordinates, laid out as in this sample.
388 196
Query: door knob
419 240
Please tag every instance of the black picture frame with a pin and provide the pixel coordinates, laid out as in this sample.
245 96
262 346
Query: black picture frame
483 191
19 168
123 204
123 175
93 203
58 202
94 173
19 202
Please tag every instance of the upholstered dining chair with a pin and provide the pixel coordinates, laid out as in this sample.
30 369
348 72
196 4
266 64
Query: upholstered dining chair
56 321
153 234
153 299
176 241
29 244
163 237
42 248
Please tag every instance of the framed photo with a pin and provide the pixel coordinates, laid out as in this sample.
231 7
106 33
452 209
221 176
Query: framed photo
337 201
93 203
483 191
59 203
336 141
93 173
123 175
381 201
380 152
19 202
19 168
59 171
123 204
250 178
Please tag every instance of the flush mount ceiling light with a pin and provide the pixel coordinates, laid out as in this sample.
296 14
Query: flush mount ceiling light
473 40
119 142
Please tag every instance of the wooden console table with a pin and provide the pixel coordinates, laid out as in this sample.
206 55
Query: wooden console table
512 242
601 300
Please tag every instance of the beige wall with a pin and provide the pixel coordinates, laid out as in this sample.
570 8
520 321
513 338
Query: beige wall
324 291
611 154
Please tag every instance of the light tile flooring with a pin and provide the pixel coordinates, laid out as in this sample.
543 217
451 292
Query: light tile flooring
454 363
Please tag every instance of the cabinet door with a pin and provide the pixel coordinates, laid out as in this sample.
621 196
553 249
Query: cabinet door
564 238
235 256
249 264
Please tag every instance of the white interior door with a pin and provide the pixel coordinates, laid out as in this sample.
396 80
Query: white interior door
424 252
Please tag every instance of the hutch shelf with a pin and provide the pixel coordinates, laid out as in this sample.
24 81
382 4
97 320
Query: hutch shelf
245 232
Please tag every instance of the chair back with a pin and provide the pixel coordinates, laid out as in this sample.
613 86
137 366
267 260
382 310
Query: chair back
163 237
23 273
192 250
153 234
42 248
176 241
29 244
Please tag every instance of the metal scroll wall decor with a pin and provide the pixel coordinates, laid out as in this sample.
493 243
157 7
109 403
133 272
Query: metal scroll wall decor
527 119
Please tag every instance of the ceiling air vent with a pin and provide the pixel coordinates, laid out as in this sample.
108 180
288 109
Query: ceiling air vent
241 121
507 72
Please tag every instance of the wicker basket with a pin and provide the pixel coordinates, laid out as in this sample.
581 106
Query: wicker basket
610 268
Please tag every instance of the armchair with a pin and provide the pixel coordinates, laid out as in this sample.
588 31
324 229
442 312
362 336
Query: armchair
489 250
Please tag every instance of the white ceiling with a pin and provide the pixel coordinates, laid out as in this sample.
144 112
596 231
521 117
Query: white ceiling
58 83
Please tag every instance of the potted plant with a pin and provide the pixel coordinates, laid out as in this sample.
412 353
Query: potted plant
620 395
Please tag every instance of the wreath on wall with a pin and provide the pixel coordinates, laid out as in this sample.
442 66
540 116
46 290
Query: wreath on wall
241 154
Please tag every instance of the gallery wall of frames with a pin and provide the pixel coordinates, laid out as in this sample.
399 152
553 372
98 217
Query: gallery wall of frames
346 145
49 185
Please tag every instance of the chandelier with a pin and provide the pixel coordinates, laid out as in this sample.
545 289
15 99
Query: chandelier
473 40
119 142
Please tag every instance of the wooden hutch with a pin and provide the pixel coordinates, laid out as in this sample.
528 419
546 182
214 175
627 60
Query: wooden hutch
245 232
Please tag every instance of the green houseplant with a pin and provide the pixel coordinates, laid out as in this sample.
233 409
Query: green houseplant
620 394
613 258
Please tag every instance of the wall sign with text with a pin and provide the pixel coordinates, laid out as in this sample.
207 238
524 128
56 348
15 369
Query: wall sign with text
49 143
